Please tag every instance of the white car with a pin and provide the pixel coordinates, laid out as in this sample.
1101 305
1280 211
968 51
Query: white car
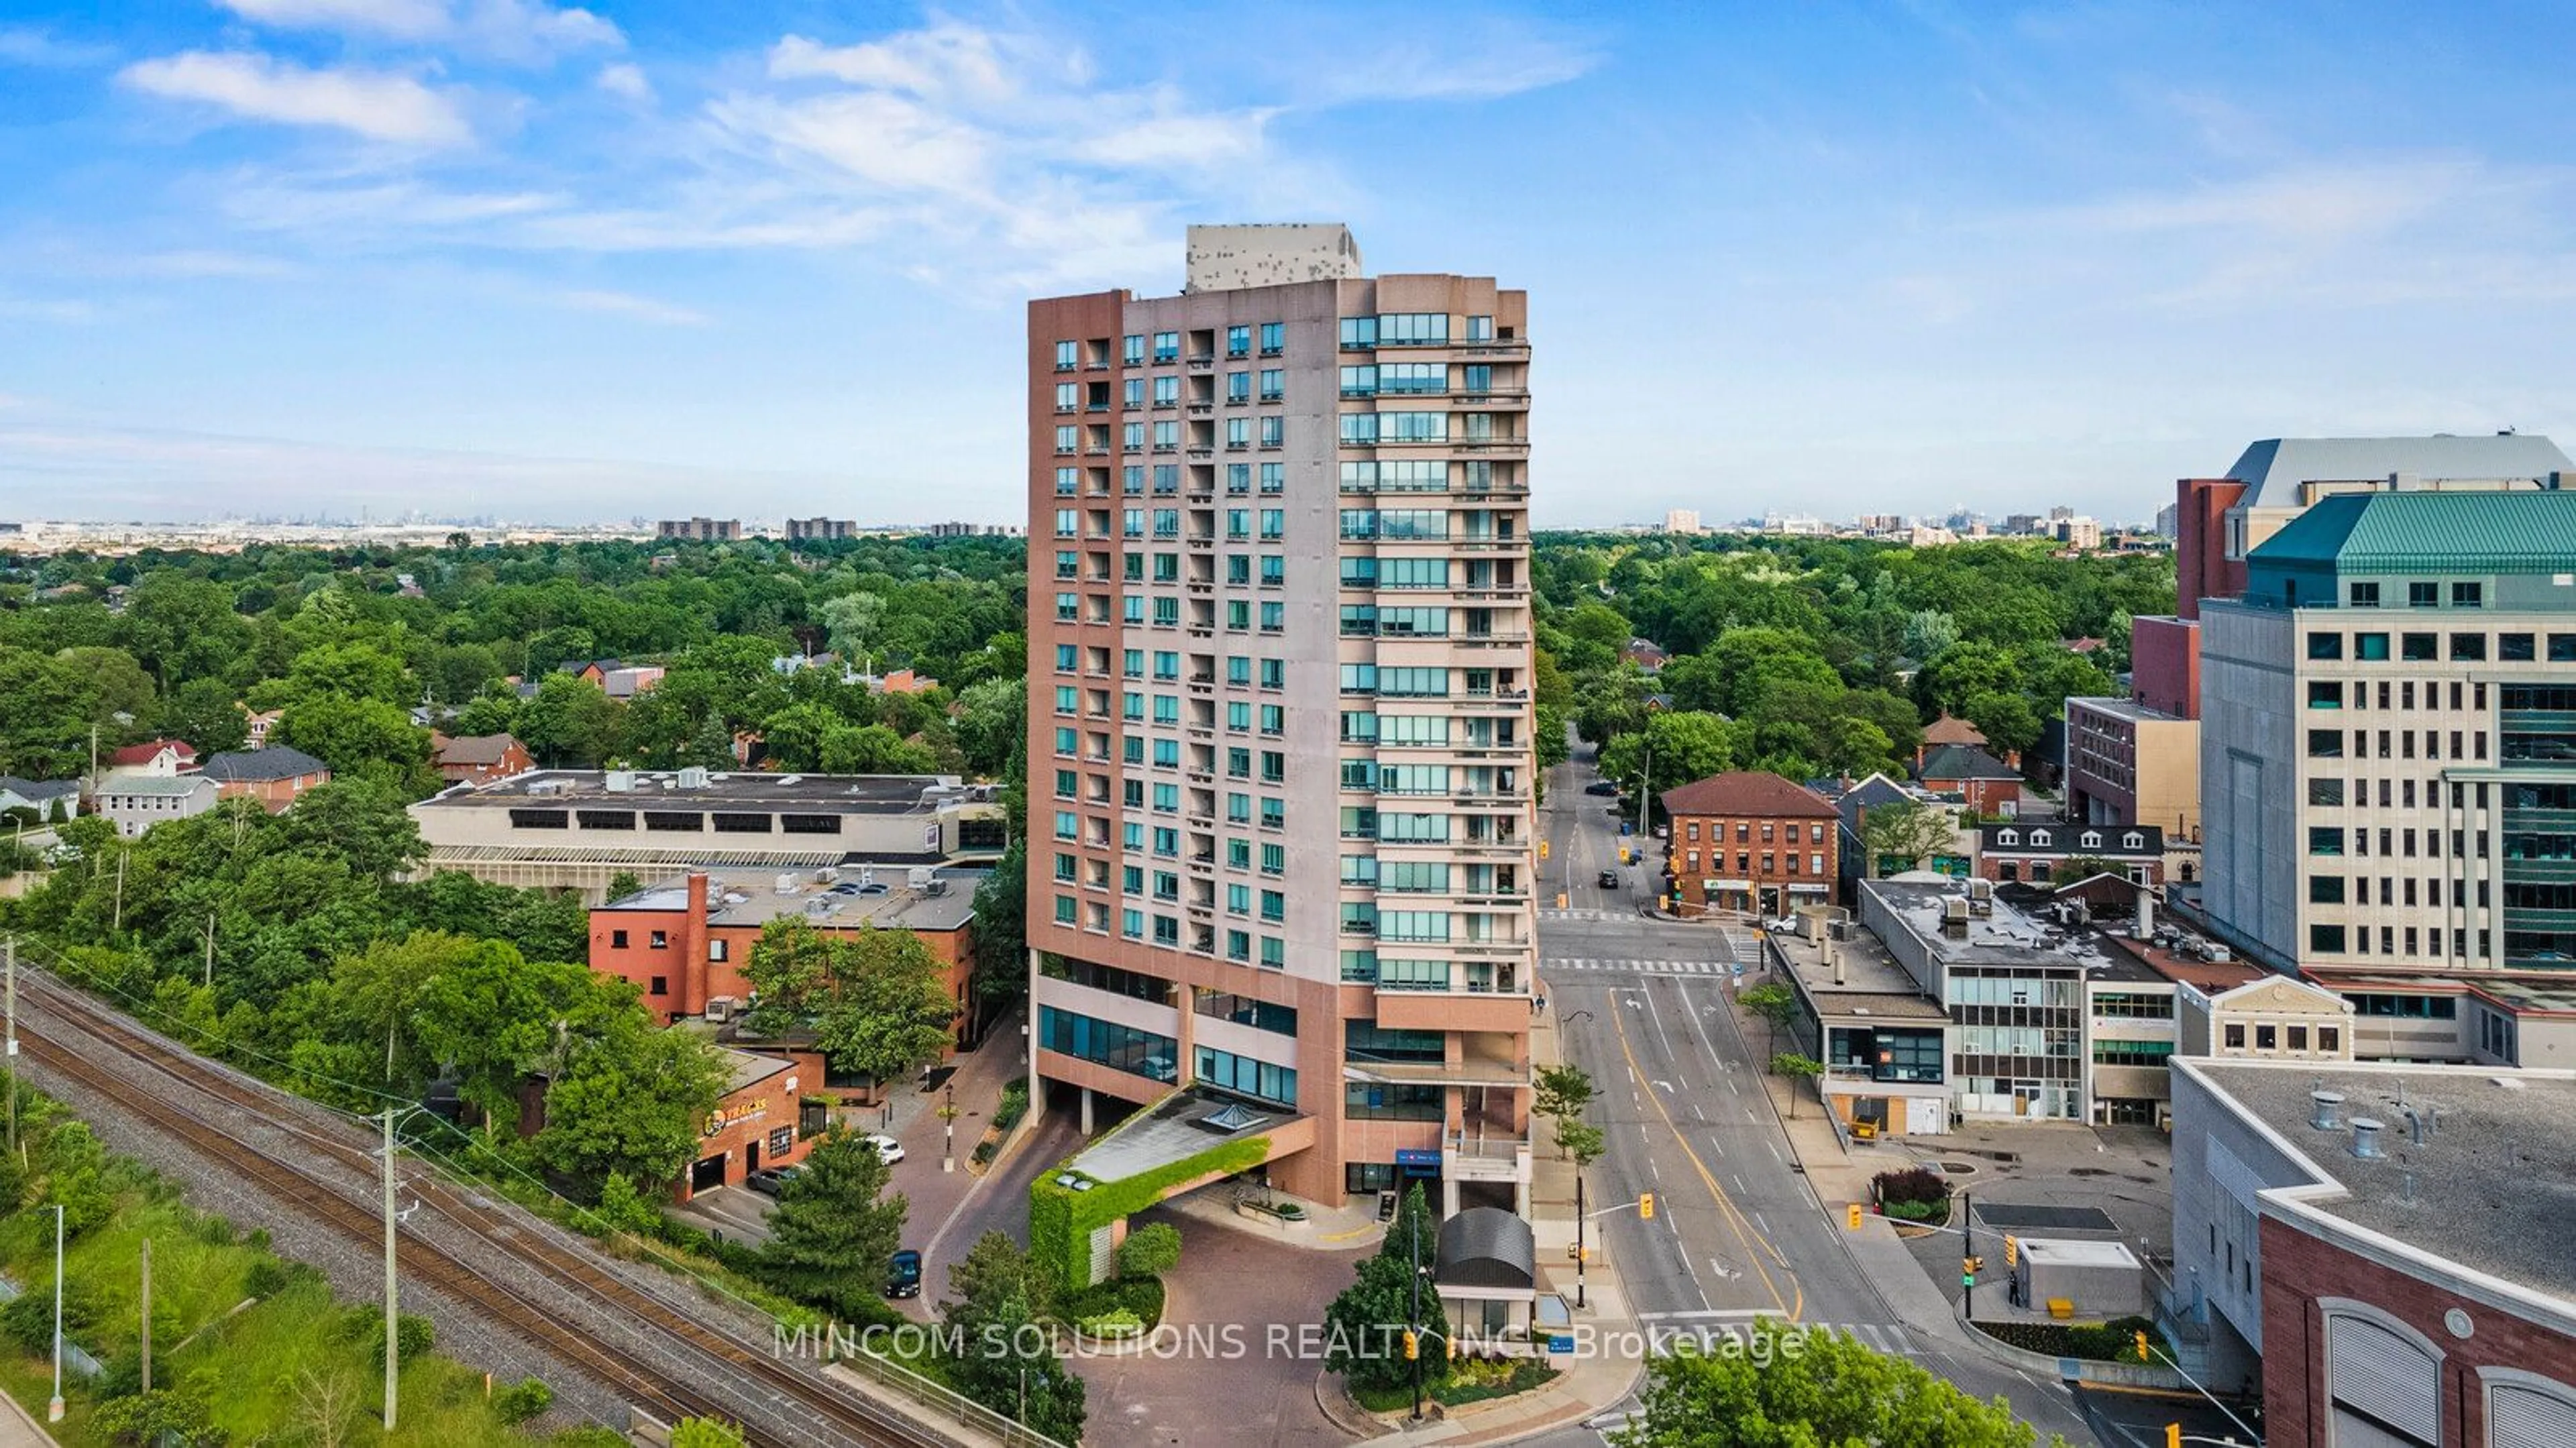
889 1150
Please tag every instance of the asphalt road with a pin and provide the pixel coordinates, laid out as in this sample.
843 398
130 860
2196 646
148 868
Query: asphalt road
1641 1004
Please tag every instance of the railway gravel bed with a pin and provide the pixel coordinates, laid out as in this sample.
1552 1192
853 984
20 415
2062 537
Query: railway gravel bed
509 1291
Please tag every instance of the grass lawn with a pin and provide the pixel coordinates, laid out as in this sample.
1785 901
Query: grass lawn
279 1370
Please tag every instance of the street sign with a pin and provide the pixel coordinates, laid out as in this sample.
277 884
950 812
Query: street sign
1560 1342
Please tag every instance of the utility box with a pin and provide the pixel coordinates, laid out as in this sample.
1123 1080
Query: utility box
2102 1279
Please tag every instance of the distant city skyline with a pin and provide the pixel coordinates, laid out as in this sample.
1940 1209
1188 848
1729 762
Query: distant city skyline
505 257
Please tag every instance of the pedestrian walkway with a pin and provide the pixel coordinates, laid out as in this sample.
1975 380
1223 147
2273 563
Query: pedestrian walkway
1582 914
1638 967
1888 1337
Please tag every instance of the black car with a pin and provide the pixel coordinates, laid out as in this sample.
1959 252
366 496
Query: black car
1600 786
1609 879
903 1274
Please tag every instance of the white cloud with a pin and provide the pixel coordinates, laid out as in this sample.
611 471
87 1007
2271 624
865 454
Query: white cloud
624 81
2322 201
946 60
871 135
521 31
28 46
627 304
1178 141
378 105
393 207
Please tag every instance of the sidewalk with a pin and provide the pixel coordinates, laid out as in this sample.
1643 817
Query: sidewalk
1584 1387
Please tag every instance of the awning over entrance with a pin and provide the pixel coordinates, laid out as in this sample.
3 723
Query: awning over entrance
1188 1124
1487 1247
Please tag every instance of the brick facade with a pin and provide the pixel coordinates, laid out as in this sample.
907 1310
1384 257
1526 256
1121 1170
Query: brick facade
2298 1270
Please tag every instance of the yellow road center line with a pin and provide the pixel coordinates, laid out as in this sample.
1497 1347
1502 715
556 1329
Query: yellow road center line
1734 1219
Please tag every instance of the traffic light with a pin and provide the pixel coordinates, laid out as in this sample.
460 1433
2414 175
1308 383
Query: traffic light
1851 1218
2012 1250
2142 1345
1412 1345
1452 1343
1646 1207
1542 849
1972 1265
2173 1435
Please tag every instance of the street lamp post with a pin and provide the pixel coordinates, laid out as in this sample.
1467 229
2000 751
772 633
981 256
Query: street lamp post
54 1406
1413 1315
948 1115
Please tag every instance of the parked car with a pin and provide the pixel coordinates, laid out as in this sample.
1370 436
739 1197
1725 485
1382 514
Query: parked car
1600 786
903 1274
888 1149
769 1181
1609 879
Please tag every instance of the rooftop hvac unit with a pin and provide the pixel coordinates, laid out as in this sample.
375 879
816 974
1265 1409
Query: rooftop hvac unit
1838 930
693 777
720 1009
619 781
919 877
828 875
787 884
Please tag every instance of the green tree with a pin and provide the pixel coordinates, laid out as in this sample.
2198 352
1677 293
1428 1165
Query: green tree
1365 1324
1561 1092
876 999
1810 1388
1150 1250
994 1268
1799 1069
1685 746
2006 719
569 722
630 1099
356 736
1901 834
851 623
990 716
1582 1141
1011 1367
204 712
1775 1002
834 1227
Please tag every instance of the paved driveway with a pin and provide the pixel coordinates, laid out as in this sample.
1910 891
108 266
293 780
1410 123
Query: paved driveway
1232 1287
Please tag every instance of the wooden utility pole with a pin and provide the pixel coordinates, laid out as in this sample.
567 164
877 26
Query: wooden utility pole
147 1314
210 948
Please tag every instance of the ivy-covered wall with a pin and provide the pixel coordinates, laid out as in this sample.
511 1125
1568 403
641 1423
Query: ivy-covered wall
1061 1220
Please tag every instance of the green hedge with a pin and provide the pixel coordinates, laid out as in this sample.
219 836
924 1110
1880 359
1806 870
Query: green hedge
2115 1341
1062 1220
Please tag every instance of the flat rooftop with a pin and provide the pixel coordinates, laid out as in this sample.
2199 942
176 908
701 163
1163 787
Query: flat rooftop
2014 935
2129 709
719 789
880 898
2493 1186
1174 1129
1873 984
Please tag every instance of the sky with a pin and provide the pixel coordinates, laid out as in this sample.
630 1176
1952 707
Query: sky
523 260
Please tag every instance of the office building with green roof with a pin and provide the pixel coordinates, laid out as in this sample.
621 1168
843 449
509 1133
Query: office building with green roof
2388 745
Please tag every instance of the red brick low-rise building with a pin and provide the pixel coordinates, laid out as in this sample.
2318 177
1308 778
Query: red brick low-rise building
479 758
1750 841
2383 1248
2036 852
275 776
760 1122
685 941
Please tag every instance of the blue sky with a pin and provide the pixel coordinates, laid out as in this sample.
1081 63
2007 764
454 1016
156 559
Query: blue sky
508 257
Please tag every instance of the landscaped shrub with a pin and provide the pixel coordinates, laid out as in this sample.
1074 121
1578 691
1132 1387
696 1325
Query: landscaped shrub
1119 1323
527 1398
1150 1250
2113 1341
266 1278
1015 1104
1913 1184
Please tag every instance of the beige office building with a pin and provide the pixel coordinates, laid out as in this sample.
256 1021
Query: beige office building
1279 711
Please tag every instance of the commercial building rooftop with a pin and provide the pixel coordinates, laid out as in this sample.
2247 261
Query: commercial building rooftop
852 898
1747 792
2118 707
2525 532
2014 932
2492 1186
711 789
1872 984
2274 468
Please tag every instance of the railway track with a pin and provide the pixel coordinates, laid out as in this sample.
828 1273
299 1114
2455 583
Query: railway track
717 1375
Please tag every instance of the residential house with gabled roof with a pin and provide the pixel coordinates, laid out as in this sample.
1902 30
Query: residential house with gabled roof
156 756
275 776
1983 782
479 758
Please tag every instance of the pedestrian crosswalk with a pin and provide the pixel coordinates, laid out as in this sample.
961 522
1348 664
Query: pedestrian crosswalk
1639 967
1587 914
1892 1338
